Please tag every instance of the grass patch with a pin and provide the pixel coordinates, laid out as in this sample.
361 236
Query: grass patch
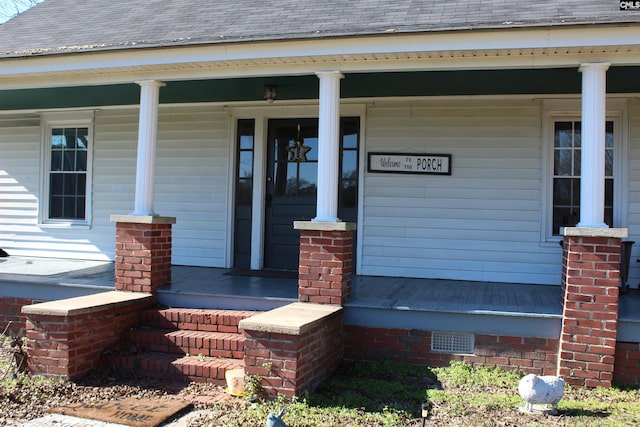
369 394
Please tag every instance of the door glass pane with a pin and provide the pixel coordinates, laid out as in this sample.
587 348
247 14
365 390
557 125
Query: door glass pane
307 179
310 148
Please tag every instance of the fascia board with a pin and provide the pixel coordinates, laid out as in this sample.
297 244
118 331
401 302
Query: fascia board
306 56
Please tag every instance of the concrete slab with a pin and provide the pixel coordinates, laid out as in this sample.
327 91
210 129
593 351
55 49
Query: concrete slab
85 304
67 421
59 420
292 319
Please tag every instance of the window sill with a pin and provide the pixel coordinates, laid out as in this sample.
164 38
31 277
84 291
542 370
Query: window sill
62 225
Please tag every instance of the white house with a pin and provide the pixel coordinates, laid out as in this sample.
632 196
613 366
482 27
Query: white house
471 133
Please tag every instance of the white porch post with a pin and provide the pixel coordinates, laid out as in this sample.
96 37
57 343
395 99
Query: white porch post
328 146
147 131
593 145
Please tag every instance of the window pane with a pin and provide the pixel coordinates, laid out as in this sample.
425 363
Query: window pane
608 192
246 142
608 162
562 192
349 193
575 192
562 162
69 207
80 207
57 139
577 162
55 207
70 184
69 160
349 164
81 184
81 161
350 141
577 134
564 217
83 138
70 138
244 192
56 184
56 160
245 134
563 135
246 164
609 134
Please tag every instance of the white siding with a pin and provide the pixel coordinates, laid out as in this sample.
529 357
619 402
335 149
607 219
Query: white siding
634 189
191 184
480 223
192 180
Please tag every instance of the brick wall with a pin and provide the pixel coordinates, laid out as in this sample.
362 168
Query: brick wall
531 355
294 364
10 312
325 270
68 346
590 317
143 256
627 360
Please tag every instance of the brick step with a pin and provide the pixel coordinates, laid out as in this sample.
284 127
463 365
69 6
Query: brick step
213 344
194 319
174 367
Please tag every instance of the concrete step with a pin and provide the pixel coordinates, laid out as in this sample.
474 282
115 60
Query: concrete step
173 367
187 342
195 319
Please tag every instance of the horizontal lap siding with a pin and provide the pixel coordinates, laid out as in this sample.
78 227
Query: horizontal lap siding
19 184
634 189
191 184
191 176
192 181
480 223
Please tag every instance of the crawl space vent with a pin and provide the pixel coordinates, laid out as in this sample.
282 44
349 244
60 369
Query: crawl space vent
452 342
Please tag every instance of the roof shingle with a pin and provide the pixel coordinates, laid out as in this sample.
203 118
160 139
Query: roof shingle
58 26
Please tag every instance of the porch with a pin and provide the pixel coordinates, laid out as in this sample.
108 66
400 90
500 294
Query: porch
378 302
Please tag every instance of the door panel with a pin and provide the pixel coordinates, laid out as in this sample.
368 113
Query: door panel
292 173
292 170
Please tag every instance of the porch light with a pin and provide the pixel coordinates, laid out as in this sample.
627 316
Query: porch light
270 93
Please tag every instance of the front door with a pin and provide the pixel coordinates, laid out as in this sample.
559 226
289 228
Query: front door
292 173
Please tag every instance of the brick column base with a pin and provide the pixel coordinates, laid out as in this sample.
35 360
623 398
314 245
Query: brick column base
293 348
143 252
326 262
591 275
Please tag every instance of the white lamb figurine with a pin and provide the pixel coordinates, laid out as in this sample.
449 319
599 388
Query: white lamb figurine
547 390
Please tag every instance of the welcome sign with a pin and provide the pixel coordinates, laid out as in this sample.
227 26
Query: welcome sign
424 164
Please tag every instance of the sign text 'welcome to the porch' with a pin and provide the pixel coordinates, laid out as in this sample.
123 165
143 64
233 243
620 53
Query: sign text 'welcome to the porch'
428 164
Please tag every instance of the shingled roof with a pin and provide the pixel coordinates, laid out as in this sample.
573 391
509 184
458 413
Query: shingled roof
65 26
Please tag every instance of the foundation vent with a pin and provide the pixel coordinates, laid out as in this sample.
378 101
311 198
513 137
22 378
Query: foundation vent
452 342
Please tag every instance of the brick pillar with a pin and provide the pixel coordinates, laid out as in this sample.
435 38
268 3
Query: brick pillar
143 252
591 275
326 261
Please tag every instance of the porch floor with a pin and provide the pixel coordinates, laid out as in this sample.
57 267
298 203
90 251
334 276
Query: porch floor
402 302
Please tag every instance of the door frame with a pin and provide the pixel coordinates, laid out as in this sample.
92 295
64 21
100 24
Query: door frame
262 114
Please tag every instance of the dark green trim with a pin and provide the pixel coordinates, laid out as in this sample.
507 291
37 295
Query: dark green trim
357 85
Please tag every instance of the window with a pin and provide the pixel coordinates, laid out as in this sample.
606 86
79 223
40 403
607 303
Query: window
68 161
566 174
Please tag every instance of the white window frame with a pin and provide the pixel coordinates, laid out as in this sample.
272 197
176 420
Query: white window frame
65 120
619 169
